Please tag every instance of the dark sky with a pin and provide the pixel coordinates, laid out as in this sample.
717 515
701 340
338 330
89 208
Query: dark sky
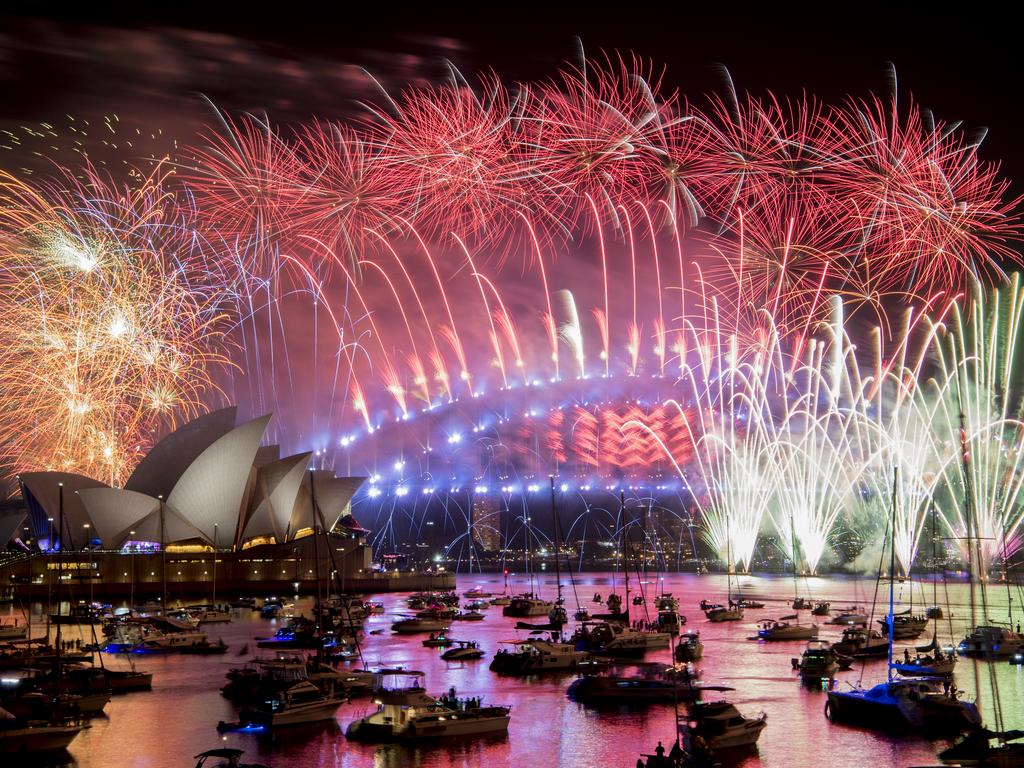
963 65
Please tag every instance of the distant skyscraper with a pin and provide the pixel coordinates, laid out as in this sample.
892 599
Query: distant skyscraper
485 518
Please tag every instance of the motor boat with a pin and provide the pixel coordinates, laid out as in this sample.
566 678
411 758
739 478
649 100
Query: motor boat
821 609
13 632
689 647
720 726
406 712
302 702
231 759
786 628
635 689
975 748
535 656
80 613
753 605
721 613
438 641
611 639
477 605
502 600
477 592
934 612
904 626
937 664
523 606
990 641
915 704
28 737
209 614
665 602
438 612
582 615
849 617
148 638
669 621
802 604
818 662
468 616
464 650
414 625
860 642
638 599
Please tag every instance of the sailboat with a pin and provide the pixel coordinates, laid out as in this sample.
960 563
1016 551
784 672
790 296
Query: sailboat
919 704
730 611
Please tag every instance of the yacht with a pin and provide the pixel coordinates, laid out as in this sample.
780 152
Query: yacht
464 650
406 711
302 702
665 602
850 616
753 605
817 662
522 606
613 639
438 640
784 629
802 604
147 638
861 642
990 641
29 737
634 689
534 656
821 609
920 704
209 614
720 613
12 632
905 626
477 592
937 664
720 726
670 621
689 647
414 625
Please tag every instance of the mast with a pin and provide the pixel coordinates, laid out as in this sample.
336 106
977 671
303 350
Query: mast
316 566
163 555
892 567
935 579
554 516
792 546
622 539
214 598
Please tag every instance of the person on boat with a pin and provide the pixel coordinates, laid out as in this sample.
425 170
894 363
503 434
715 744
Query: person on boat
659 751
906 656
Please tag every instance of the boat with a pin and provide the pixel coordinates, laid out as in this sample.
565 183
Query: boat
231 759
440 640
753 605
209 614
937 664
801 603
477 605
719 726
413 625
975 748
32 737
477 592
502 600
636 689
786 628
818 662
468 616
80 613
127 680
821 609
850 616
665 602
302 702
860 642
12 632
901 704
991 641
464 650
525 605
611 639
689 647
203 649
669 621
536 656
904 626
406 712
721 613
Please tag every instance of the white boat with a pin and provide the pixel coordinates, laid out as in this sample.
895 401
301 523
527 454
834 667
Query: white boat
142 638
522 606
613 639
534 656
850 616
721 726
988 641
477 592
209 614
501 600
302 702
406 711
464 650
689 647
719 613
19 737
817 662
786 628
415 625
13 632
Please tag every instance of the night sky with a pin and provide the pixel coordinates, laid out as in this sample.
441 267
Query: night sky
963 64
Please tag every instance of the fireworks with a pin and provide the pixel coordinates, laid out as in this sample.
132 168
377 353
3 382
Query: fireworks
105 340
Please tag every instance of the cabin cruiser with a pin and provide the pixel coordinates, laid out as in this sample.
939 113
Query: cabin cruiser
533 656
719 726
615 611
802 604
937 664
147 638
80 613
414 625
231 757
850 616
27 737
636 689
720 613
753 605
784 629
302 702
502 600
406 711
904 626
819 661
464 650
861 642
13 632
438 640
689 647
209 614
669 621
975 748
665 602
821 609
522 606
612 639
989 641
920 704
469 616
477 592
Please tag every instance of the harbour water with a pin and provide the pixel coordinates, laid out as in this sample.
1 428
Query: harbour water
164 728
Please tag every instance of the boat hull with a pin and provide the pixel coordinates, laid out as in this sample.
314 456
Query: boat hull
20 741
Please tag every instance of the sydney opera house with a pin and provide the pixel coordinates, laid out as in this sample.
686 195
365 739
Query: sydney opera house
207 506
